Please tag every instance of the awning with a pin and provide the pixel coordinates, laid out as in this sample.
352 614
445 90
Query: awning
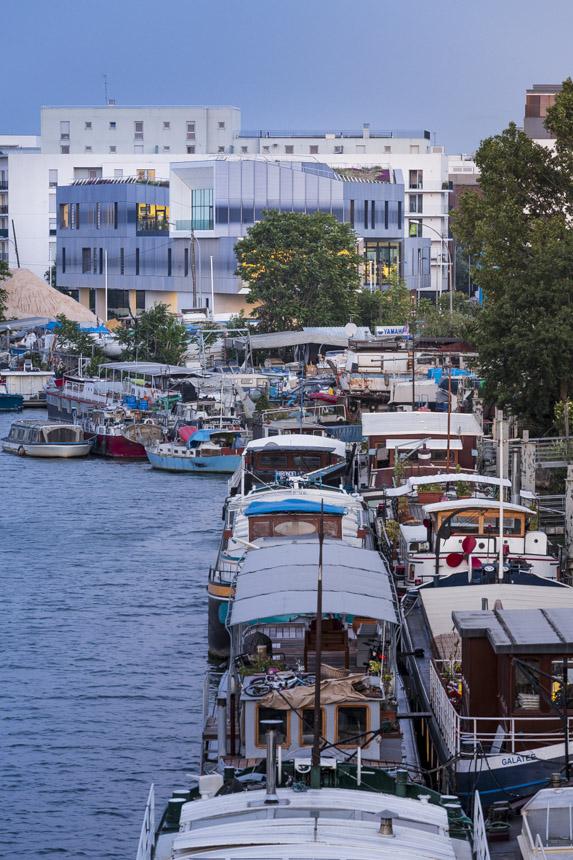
295 506
444 478
298 440
430 444
275 582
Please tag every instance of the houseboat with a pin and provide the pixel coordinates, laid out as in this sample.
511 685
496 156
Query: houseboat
34 438
489 679
274 515
115 432
201 451
30 384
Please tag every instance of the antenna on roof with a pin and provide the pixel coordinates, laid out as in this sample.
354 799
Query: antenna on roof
109 102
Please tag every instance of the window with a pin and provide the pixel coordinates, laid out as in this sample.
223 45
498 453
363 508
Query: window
338 150
169 262
122 261
137 261
202 209
64 216
366 214
87 149
414 149
166 149
94 173
72 216
166 126
138 149
244 149
52 178
373 214
86 260
387 149
138 130
95 261
511 525
352 212
282 730
399 214
146 174
63 260
557 686
221 126
416 202
313 150
415 179
98 216
190 150
87 126
112 126
526 696
415 229
385 214
186 262
266 149
113 149
289 150
220 149
307 726
101 261
190 132
351 720
64 131
150 217
115 216
65 150
53 226
466 523
52 204
118 173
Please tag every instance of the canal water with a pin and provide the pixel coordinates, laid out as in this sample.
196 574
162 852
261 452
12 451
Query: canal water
102 647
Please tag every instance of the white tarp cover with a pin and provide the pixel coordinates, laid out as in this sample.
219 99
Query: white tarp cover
298 440
281 580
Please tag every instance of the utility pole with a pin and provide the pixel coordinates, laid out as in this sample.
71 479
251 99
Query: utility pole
193 270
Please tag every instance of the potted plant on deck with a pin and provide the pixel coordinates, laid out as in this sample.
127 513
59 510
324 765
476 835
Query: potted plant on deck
429 493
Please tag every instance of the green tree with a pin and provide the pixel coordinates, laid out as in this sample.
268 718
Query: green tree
390 306
4 275
155 336
519 233
301 270
76 341
436 320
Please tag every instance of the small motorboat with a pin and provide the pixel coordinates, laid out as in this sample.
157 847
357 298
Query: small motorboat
10 402
198 451
33 438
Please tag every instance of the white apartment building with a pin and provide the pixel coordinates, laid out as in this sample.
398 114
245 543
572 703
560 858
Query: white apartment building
145 130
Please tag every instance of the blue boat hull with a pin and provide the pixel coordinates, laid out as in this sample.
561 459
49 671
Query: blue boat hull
222 463
11 402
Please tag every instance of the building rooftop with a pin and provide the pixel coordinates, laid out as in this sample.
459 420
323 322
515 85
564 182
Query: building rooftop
333 135
522 630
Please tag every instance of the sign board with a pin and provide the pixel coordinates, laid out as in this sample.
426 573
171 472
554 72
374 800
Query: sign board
392 329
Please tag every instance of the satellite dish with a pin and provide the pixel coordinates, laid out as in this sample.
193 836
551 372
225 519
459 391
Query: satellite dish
350 329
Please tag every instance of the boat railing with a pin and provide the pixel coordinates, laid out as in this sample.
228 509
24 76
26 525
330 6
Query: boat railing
480 844
147 835
466 734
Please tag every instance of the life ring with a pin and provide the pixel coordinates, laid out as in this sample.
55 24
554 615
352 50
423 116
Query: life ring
148 421
21 451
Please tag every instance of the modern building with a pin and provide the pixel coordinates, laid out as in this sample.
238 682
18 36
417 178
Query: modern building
326 143
154 238
537 101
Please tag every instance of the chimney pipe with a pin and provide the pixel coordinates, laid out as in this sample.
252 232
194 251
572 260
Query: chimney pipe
271 795
386 828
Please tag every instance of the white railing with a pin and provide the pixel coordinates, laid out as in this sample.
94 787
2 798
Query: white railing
480 846
147 836
467 732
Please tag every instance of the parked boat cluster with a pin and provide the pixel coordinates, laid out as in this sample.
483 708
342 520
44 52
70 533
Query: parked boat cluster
387 661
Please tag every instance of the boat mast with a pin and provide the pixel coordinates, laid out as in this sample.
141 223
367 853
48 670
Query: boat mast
318 653
501 499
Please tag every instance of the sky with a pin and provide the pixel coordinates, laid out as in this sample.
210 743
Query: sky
458 69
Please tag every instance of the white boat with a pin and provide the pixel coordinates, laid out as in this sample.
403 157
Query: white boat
199 451
46 439
547 825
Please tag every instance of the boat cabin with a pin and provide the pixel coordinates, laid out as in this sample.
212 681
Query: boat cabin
277 457
45 433
547 825
293 518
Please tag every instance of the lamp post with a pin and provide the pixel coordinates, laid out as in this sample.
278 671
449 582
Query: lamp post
448 275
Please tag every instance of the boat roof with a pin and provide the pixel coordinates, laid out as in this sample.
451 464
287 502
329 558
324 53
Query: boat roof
444 478
298 440
427 423
431 444
327 824
273 582
150 368
521 631
39 422
460 504
293 505
439 606
414 531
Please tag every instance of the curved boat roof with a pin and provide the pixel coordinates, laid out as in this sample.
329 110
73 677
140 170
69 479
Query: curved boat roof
295 506
466 504
298 440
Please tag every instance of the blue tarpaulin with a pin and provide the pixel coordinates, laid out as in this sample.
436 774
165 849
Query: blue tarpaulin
303 506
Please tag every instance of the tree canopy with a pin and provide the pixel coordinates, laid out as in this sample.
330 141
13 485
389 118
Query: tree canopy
301 270
4 275
154 336
519 233
77 341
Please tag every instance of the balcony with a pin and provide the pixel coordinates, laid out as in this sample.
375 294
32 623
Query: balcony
3 210
4 185
4 234
151 225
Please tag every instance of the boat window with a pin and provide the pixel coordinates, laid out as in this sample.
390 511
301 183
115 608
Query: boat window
295 527
526 696
272 714
351 720
60 434
273 461
466 524
307 726
557 684
511 525
307 461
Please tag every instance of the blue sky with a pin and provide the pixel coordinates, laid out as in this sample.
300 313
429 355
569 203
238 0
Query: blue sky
458 69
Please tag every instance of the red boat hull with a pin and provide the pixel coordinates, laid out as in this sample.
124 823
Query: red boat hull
116 446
